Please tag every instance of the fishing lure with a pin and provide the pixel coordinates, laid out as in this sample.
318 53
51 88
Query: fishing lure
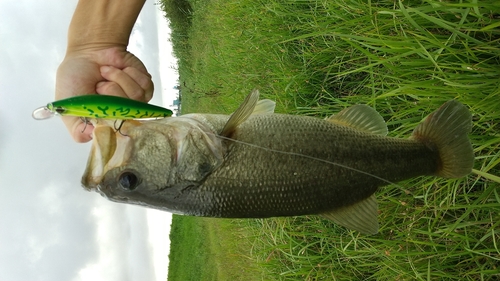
101 106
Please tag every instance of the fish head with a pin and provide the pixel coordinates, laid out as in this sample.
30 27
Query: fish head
148 163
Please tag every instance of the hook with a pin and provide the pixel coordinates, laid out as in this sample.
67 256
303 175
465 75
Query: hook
86 121
119 127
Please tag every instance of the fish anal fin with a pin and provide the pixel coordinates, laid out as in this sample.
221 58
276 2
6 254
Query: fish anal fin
241 114
361 117
361 216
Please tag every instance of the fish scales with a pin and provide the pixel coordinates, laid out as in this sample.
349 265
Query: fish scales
256 164
256 182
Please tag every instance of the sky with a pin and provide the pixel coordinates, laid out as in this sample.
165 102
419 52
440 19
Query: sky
50 227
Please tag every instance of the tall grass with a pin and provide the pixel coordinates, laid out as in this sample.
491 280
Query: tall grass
404 58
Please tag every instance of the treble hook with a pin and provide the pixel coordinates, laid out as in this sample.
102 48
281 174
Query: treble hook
119 127
86 121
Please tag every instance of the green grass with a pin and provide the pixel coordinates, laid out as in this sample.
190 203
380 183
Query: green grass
186 243
209 249
317 57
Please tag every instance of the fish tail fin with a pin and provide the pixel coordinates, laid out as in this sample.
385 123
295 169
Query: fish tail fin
446 130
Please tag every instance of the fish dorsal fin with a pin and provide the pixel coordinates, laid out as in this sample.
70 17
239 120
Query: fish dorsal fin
264 107
361 117
241 114
361 216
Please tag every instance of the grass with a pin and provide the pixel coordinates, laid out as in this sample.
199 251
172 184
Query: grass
317 57
208 249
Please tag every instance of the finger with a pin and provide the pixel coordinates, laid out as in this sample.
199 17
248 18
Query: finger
110 88
126 83
80 131
143 80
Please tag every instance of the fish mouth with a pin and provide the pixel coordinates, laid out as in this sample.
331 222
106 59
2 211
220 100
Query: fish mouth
110 149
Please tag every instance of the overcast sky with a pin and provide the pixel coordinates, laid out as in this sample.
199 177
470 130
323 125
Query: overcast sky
50 227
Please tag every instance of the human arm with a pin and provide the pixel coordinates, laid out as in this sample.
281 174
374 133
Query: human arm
97 60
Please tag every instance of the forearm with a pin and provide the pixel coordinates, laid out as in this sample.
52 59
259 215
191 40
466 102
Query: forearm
102 23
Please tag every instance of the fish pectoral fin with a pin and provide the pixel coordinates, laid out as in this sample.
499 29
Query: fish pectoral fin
361 117
361 216
241 114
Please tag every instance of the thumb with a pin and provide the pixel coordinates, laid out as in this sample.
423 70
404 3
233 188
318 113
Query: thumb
78 129
77 76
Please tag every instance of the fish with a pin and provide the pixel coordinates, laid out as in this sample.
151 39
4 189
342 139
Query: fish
255 163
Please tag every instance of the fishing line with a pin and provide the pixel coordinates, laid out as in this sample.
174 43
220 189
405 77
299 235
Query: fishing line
289 153
304 156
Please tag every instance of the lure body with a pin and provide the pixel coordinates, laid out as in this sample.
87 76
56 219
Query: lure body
101 106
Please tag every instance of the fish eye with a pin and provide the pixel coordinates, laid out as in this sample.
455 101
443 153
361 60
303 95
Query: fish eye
128 181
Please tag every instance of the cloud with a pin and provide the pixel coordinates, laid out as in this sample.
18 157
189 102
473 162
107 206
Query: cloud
159 230
49 236
121 234
52 229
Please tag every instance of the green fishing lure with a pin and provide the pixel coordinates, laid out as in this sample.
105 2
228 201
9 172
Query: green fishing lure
101 106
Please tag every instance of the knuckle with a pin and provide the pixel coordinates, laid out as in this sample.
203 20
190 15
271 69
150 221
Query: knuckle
136 94
109 88
142 78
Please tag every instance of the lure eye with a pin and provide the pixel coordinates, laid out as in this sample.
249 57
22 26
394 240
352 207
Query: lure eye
60 109
128 181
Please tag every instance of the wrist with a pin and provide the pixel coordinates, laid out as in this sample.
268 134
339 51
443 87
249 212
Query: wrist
98 24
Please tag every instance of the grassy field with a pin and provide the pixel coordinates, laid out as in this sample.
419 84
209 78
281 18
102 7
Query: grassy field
209 249
403 58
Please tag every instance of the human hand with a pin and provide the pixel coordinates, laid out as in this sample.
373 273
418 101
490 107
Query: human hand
109 71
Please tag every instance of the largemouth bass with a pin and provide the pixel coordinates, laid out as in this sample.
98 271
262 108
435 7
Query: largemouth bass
257 164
